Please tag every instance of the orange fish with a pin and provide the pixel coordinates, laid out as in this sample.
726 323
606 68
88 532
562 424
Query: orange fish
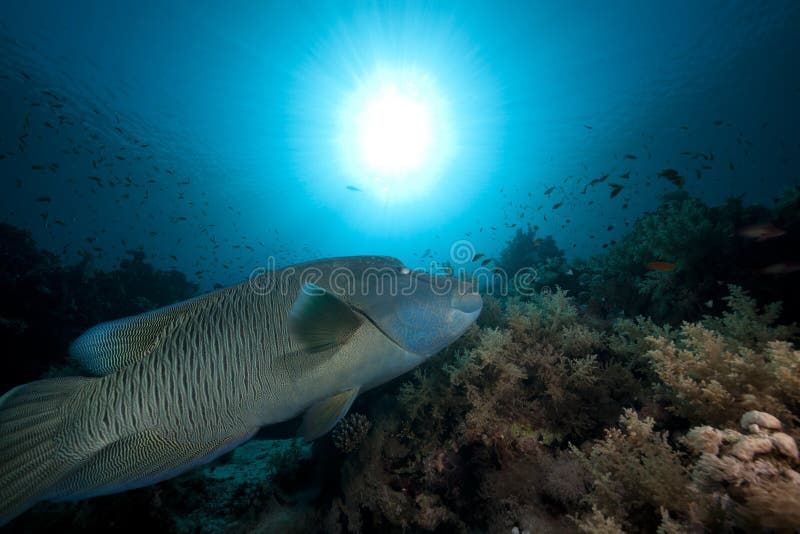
761 232
782 267
661 266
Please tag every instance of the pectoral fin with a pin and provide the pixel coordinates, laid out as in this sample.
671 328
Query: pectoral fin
319 321
324 415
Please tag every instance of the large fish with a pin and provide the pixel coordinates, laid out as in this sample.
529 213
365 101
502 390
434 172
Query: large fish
179 386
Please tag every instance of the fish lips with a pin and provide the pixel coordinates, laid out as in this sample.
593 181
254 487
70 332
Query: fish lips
469 303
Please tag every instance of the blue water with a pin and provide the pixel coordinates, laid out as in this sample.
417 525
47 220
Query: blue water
219 130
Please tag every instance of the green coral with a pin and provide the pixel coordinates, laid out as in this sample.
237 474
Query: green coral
525 249
698 238
744 323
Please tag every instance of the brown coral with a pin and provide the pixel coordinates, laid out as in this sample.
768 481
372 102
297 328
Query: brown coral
635 472
350 432
749 477
713 379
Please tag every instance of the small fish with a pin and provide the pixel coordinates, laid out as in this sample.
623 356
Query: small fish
717 123
625 175
478 256
44 199
709 303
588 127
782 267
557 205
549 190
761 232
673 176
630 156
598 180
353 188
663 266
487 261
569 272
615 189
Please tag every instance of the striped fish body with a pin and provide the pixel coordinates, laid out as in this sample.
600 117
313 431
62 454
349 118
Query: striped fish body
204 377
194 394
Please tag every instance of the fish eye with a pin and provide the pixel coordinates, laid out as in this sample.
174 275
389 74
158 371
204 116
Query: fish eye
404 270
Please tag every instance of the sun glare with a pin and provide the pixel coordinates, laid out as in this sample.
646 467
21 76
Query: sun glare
395 135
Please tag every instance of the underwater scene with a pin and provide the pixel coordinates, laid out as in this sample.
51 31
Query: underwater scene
375 266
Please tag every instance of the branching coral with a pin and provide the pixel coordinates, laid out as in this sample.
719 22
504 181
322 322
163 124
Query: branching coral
748 479
540 371
503 406
598 523
350 432
746 324
630 336
380 490
635 472
713 379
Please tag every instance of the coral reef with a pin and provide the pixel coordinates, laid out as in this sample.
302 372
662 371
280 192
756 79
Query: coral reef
703 242
609 411
635 473
747 480
698 238
719 368
350 432
526 250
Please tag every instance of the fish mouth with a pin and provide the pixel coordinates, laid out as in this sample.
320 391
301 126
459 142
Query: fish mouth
469 303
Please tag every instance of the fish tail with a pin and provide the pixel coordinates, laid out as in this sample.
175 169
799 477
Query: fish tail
32 419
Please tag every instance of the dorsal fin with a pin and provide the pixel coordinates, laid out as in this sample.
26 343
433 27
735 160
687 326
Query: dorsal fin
108 347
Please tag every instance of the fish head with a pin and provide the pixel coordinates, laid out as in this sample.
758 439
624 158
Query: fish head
420 312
